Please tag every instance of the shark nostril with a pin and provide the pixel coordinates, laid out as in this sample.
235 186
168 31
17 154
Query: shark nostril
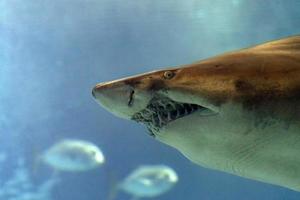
130 101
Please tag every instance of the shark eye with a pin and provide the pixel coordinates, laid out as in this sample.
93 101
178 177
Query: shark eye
169 74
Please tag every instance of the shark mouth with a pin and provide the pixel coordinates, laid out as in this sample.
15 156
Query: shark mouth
162 110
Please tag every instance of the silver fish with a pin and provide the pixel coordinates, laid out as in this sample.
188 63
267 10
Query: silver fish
149 181
73 155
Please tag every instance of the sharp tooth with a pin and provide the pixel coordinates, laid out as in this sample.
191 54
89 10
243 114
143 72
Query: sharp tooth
160 119
169 107
189 108
193 109
173 112
155 120
169 116
186 112
180 110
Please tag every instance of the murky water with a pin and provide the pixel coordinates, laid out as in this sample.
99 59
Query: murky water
53 52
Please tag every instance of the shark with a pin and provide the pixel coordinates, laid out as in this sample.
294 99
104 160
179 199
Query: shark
238 112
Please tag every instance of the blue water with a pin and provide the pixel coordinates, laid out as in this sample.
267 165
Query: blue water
52 52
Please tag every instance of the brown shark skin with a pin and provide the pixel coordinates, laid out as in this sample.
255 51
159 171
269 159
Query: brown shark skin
239 74
248 73
264 81
267 74
252 77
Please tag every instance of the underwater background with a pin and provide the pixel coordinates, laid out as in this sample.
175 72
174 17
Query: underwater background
52 53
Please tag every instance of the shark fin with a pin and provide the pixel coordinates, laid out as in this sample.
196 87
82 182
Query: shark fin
285 44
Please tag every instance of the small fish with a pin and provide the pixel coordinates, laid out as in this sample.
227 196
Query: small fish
73 155
149 181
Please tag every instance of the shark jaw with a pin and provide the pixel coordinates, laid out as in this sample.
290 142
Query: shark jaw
161 111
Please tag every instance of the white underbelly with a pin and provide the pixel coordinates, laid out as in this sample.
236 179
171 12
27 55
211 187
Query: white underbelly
270 154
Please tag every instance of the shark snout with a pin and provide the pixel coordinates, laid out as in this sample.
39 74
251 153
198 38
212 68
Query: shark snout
99 89
116 97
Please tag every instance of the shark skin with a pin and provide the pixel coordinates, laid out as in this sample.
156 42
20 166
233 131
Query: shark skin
248 118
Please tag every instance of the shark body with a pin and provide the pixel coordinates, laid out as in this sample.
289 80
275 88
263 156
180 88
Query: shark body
238 112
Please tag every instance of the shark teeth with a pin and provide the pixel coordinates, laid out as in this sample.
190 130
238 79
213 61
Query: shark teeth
162 110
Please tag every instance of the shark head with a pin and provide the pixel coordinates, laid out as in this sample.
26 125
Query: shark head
158 99
210 103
